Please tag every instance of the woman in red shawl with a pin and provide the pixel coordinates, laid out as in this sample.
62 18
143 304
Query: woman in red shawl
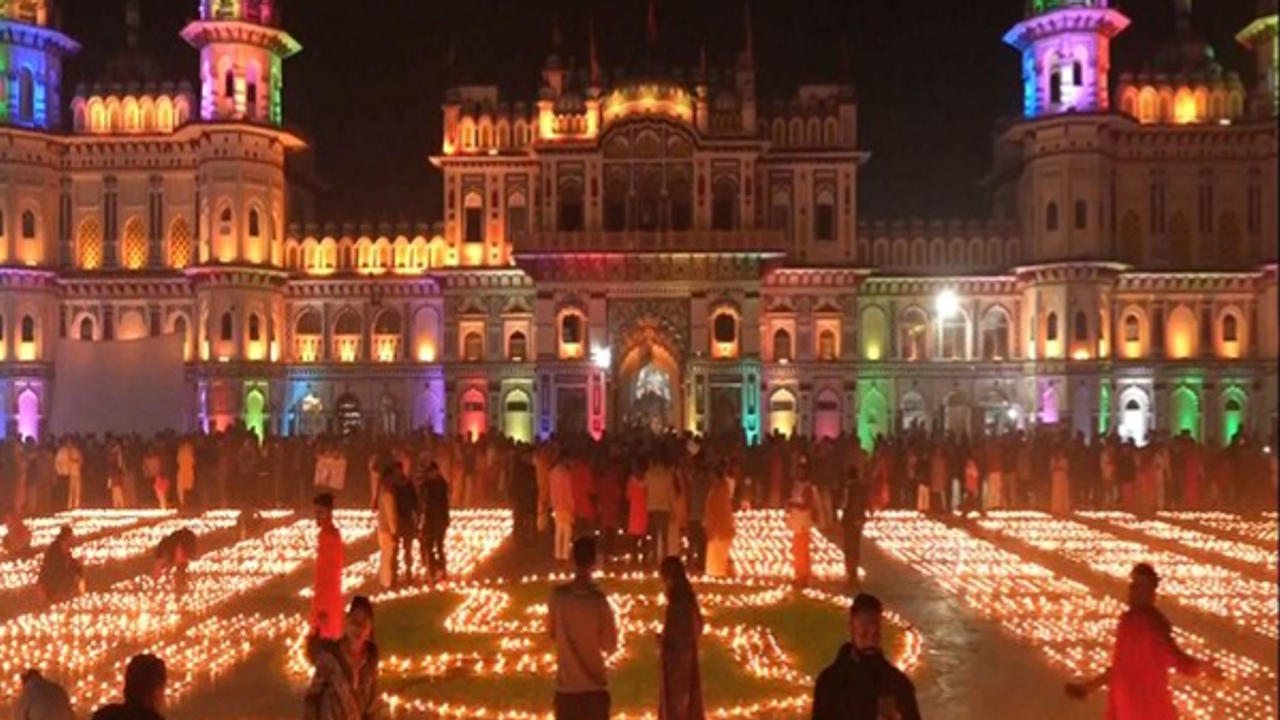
326 600
1138 680
680 682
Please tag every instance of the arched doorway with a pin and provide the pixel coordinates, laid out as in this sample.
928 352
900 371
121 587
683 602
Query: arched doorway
350 418
1233 405
914 412
648 388
957 414
388 415
826 415
517 416
28 415
782 412
998 414
473 414
309 416
255 417
1184 413
873 418
1133 416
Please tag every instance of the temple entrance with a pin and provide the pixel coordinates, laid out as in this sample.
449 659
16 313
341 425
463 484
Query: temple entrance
648 392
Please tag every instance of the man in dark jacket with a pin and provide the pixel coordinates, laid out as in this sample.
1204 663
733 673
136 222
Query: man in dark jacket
144 682
861 684
434 509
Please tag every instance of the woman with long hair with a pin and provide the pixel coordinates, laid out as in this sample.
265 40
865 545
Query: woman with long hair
679 683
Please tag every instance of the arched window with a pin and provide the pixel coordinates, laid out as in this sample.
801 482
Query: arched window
179 244
229 84
28 329
86 328
724 328
255 328
89 245
226 327
1051 216
913 334
133 245
28 225
26 95
473 347
1077 73
1082 214
1081 326
955 331
995 336
827 345
1051 327
1132 330
1230 329
781 345
255 224
571 329
517 347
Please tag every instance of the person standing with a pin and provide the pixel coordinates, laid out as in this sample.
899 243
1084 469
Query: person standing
853 517
435 522
1059 482
344 685
326 596
580 621
42 699
385 519
524 496
562 505
145 678
801 506
679 680
861 684
718 518
638 512
406 517
1145 652
115 474
660 492
186 462
696 491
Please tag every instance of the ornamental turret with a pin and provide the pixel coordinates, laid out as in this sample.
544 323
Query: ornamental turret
1261 37
241 60
31 53
1066 55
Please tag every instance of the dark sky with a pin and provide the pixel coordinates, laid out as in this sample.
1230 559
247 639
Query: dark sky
932 76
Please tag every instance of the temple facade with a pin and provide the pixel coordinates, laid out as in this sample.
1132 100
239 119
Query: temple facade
655 248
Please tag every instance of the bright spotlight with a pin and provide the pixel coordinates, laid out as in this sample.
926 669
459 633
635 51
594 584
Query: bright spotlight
1012 412
947 303
602 357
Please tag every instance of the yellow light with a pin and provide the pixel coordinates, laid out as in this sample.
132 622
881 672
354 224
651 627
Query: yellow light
1080 354
26 351
1184 110
426 351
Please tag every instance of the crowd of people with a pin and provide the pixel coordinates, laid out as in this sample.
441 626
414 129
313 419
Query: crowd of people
663 501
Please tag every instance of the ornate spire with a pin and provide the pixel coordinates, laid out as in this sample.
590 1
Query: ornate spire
748 43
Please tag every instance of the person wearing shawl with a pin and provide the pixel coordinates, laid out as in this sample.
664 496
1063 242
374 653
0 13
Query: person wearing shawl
680 682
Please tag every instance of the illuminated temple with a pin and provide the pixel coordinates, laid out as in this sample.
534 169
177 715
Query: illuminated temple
654 248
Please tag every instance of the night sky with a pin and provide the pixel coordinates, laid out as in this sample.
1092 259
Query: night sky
932 76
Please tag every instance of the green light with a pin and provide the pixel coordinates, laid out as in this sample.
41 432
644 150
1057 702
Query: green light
255 417
1185 412
1104 409
873 417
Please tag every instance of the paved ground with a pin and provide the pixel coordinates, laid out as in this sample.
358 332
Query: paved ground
972 670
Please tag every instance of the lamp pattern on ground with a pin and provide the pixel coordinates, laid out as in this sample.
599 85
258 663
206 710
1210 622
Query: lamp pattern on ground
1263 532
1072 625
1247 553
762 548
1213 589
88 637
760 552
130 544
84 524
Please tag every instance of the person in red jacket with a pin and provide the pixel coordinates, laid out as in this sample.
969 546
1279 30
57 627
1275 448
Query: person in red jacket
1138 680
638 512
326 601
